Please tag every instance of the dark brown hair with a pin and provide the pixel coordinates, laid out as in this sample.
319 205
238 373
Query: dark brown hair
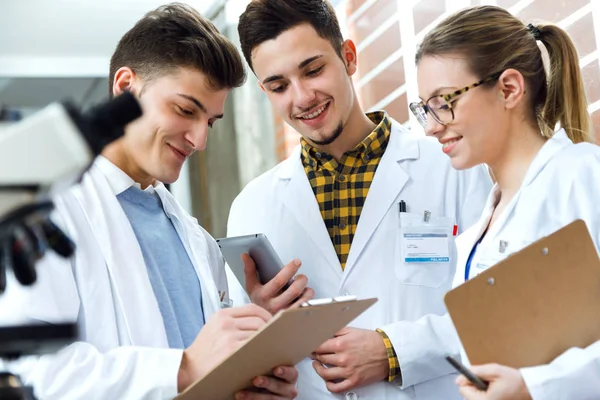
173 36
493 40
266 19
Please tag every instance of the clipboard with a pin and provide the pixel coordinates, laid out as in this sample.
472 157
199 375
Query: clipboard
534 305
287 339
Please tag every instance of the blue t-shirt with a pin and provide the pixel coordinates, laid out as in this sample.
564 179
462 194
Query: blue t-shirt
171 272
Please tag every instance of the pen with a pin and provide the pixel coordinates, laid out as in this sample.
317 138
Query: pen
474 379
402 206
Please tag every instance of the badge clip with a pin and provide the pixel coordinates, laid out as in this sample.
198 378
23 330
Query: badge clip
502 246
426 216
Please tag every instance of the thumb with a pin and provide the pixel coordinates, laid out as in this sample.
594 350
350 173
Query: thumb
250 273
461 380
487 372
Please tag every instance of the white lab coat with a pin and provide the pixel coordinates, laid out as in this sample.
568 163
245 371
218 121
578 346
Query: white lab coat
281 204
123 352
561 185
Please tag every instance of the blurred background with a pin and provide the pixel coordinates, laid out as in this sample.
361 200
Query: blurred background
60 49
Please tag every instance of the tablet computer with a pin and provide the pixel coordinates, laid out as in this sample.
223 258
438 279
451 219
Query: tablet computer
268 264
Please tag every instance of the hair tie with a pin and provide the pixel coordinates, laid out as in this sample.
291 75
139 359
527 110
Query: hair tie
535 31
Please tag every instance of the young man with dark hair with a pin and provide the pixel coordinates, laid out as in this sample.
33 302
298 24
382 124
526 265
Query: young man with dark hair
147 282
369 208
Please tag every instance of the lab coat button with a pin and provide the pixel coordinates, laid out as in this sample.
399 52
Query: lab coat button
351 396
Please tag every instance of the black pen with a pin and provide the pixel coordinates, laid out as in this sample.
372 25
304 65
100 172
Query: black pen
402 206
474 379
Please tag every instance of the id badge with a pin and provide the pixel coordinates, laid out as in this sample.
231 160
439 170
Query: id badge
425 242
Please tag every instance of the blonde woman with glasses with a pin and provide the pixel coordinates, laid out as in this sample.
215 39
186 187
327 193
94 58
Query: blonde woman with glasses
488 100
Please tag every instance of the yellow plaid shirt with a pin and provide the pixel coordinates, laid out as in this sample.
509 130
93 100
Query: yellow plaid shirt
341 188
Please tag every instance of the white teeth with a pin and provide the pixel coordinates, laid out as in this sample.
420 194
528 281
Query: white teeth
315 114
450 142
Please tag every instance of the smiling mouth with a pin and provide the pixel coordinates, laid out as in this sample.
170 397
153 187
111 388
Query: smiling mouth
450 142
179 152
315 113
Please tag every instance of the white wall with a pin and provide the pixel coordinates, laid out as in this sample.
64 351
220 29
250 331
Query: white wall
67 38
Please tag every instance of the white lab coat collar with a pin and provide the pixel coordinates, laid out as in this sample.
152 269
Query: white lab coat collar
119 182
117 179
552 146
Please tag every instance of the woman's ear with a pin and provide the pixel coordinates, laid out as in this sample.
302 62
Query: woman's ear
512 88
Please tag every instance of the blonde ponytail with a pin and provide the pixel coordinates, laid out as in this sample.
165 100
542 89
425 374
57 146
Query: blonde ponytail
566 101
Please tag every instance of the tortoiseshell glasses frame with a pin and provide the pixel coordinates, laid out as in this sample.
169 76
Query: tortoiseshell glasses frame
441 106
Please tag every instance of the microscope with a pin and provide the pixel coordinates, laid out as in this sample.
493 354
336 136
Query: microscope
40 156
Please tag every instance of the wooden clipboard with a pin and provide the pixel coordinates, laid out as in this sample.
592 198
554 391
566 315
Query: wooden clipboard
286 340
535 304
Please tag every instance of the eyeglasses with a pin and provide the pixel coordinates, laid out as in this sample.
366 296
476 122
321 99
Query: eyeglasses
440 106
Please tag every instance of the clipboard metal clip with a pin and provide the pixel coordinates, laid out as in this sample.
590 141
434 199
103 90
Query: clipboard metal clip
328 300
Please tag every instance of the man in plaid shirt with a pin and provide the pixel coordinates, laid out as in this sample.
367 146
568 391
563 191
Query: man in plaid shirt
335 204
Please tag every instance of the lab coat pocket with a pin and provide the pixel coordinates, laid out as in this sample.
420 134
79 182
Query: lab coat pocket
423 249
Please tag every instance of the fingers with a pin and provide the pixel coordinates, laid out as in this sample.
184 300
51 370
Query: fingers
334 377
247 395
461 380
276 386
329 374
293 292
471 393
275 285
250 273
251 324
288 374
249 310
330 359
340 386
269 295
306 296
329 347
283 386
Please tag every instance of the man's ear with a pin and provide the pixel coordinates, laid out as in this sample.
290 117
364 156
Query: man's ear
349 56
124 81
512 88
